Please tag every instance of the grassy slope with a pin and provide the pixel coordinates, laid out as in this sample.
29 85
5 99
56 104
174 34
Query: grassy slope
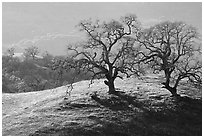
144 109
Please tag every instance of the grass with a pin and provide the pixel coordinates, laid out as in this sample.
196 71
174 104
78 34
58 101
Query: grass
141 108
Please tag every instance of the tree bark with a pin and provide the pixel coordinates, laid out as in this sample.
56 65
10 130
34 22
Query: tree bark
110 76
111 86
173 90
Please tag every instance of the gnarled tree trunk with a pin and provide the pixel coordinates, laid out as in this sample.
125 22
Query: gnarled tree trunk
110 76
110 84
173 90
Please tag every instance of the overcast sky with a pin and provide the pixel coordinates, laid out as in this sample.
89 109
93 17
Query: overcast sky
53 25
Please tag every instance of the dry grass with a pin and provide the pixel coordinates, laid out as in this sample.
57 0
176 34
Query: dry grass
141 108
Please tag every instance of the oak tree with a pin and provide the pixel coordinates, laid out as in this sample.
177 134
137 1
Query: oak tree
107 49
172 47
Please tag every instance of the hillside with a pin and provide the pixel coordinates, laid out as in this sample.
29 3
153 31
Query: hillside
142 107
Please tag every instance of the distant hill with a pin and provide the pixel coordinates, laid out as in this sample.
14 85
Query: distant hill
56 47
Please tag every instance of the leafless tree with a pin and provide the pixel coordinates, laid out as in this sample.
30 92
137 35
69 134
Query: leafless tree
172 47
32 51
108 49
10 52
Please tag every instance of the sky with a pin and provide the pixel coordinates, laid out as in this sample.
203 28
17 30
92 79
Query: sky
52 26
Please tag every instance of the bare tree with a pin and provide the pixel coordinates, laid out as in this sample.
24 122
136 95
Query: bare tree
172 47
10 52
31 52
108 49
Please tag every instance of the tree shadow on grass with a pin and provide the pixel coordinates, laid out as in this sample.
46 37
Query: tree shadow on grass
131 100
113 102
176 115
120 101
67 105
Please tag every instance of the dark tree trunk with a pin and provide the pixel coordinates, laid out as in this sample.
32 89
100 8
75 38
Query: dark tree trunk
111 86
173 90
110 76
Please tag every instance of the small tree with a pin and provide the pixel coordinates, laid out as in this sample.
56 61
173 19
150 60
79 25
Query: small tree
31 52
108 49
10 52
171 47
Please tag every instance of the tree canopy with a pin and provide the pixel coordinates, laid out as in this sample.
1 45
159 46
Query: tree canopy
171 47
108 49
